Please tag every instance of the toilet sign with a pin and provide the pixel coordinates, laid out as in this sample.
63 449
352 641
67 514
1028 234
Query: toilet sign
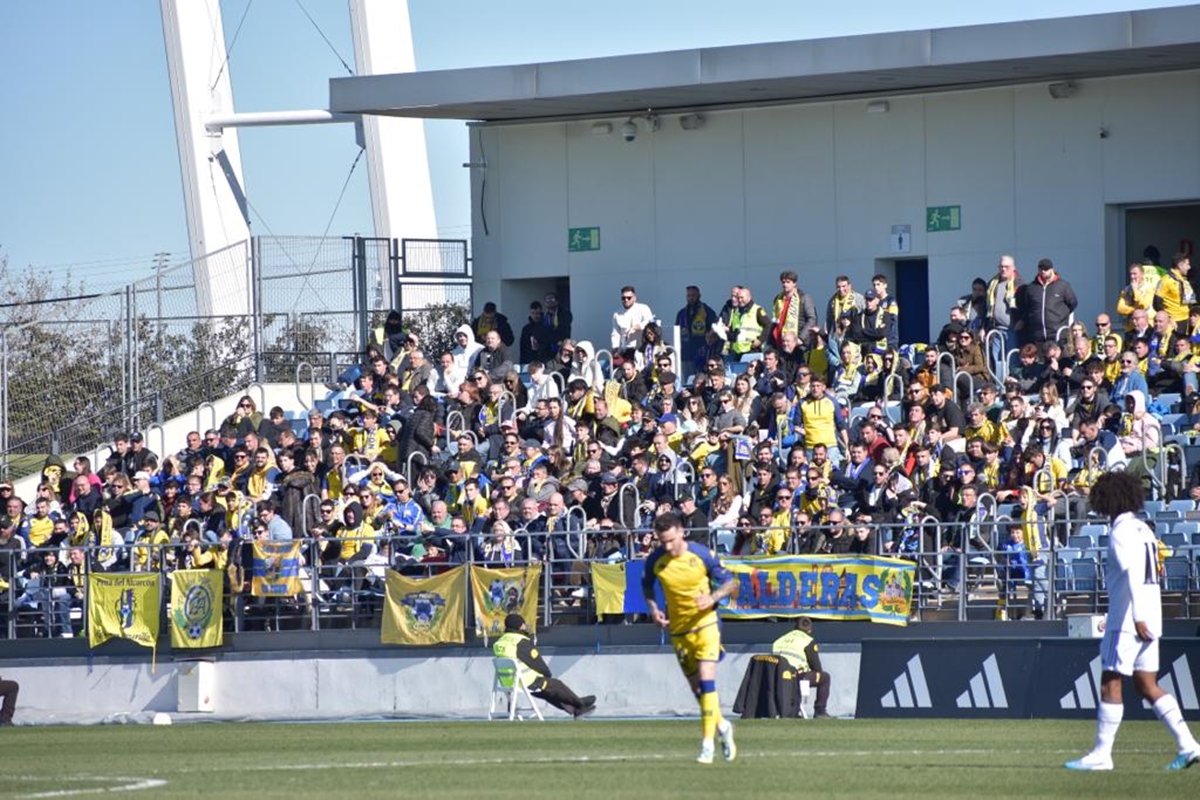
901 239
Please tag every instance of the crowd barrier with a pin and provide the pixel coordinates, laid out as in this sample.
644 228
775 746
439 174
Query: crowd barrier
960 572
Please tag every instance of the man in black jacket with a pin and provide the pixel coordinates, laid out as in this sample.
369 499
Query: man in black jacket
1044 304
492 320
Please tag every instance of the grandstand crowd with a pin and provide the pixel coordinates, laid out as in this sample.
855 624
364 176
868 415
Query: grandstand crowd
772 429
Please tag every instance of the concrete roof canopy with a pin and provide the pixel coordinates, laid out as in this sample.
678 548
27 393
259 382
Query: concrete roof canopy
887 64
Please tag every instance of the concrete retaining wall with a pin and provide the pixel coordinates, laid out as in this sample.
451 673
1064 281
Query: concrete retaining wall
626 681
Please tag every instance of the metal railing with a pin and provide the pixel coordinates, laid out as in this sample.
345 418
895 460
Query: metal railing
962 571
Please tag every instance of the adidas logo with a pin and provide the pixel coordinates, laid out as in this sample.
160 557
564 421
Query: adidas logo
1086 693
1179 676
911 689
1177 681
986 688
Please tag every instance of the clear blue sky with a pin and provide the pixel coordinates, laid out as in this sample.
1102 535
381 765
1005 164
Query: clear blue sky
88 167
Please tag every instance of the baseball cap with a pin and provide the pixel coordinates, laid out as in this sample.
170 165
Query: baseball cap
135 437
870 294
609 479
151 514
668 417
141 476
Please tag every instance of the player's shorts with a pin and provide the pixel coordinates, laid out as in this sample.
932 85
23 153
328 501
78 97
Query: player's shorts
1122 652
702 644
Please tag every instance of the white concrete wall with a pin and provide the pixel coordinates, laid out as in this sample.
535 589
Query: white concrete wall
627 682
171 436
816 188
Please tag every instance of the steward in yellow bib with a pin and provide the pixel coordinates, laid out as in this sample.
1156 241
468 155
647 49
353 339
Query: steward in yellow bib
533 672
799 649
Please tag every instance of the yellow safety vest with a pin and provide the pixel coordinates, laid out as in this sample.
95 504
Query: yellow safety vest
791 647
506 647
745 322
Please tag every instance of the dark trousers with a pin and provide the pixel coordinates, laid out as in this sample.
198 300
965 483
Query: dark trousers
8 691
820 682
558 694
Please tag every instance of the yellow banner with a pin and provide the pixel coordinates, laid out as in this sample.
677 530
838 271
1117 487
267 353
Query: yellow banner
824 587
123 606
500 592
425 610
608 584
276 569
197 597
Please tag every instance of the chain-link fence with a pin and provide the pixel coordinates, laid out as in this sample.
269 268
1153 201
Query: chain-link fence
74 372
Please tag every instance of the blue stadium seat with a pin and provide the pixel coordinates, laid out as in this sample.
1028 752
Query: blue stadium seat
1081 542
1175 540
1190 529
1093 532
1162 529
1152 507
1177 573
1182 506
1086 574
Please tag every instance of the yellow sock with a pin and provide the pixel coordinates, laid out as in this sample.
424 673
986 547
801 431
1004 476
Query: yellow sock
710 714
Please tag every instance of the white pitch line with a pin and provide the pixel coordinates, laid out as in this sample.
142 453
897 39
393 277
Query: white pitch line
513 759
129 785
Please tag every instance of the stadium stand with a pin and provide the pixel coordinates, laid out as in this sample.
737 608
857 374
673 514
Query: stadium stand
773 435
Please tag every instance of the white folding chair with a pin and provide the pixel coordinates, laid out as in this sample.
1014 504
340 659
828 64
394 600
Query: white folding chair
505 670
805 691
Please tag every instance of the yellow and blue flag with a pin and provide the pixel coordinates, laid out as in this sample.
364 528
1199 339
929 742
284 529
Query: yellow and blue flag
196 601
825 587
123 606
500 592
618 588
276 569
425 610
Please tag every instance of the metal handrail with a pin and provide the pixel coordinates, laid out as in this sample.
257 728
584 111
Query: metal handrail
991 368
408 465
970 383
887 393
304 512
212 409
559 381
609 354
945 355
162 438
312 385
449 425
637 498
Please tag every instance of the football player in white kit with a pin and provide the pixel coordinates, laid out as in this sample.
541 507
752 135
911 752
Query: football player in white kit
1130 643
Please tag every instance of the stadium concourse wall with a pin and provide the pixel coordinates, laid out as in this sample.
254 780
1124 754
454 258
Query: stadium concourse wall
942 669
171 435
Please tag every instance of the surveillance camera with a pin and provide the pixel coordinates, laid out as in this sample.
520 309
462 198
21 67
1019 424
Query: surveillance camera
629 131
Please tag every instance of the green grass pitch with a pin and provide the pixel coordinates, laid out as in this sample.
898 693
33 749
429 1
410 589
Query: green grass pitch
591 758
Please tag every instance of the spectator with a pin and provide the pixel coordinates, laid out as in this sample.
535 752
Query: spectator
557 320
1002 311
694 320
493 359
1045 304
628 322
1139 293
465 350
793 312
535 339
843 302
491 320
743 324
1175 293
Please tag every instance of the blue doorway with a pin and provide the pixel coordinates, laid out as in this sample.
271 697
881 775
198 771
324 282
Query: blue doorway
912 296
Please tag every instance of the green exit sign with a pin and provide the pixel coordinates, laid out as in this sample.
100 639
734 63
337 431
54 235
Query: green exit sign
943 218
580 240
